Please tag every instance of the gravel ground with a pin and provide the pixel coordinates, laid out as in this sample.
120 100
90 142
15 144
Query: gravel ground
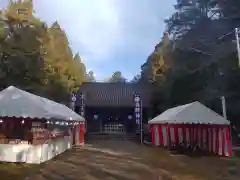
126 160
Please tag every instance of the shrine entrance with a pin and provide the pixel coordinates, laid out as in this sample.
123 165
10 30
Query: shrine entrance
110 120
114 128
113 108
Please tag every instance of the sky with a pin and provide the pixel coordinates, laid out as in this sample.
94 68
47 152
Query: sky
109 35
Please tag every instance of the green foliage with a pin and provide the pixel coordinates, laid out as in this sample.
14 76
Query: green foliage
158 62
136 79
189 14
117 78
36 57
199 61
90 77
230 9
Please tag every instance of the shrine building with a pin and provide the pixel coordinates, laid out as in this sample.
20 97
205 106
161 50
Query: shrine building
113 108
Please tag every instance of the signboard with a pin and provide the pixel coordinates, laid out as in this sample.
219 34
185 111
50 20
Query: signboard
37 124
37 127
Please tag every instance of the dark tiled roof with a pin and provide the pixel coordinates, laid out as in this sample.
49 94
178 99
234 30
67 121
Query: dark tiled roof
113 94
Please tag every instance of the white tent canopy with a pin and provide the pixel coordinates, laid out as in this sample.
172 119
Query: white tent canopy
193 113
15 102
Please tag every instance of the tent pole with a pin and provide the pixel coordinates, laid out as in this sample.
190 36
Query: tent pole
225 115
224 107
141 125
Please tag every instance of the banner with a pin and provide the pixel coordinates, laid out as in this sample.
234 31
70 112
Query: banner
138 111
82 108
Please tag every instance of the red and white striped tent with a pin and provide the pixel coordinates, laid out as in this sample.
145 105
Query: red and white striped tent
192 123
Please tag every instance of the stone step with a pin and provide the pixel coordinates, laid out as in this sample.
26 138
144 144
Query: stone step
112 136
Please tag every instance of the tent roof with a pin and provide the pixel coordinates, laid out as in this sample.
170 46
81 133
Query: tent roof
15 102
193 113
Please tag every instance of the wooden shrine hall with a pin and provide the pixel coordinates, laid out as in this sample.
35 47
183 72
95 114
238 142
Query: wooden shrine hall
113 108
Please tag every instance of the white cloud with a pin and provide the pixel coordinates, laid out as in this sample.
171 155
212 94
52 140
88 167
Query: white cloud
92 25
99 28
142 28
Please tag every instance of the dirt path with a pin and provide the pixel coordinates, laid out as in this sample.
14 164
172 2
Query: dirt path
124 160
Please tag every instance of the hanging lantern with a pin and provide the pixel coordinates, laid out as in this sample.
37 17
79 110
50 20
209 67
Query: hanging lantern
74 97
95 117
22 121
73 101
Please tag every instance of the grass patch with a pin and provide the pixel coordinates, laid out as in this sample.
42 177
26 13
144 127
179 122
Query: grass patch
237 153
19 171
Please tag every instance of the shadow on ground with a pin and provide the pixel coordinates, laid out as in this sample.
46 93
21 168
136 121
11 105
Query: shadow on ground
125 160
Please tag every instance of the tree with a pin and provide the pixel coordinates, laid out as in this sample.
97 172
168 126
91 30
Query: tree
199 62
90 77
20 47
117 78
35 57
136 79
176 65
230 10
158 62
189 14
79 69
